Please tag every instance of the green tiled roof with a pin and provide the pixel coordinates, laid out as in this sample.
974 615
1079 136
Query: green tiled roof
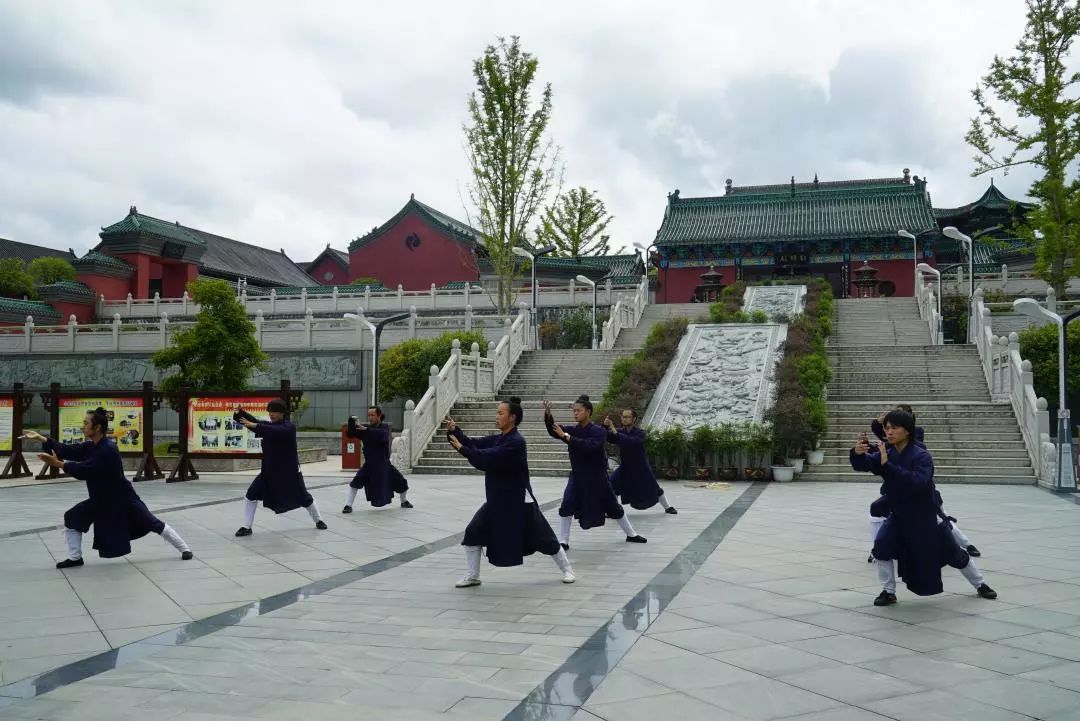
458 285
95 257
23 308
136 222
451 226
992 199
806 211
67 288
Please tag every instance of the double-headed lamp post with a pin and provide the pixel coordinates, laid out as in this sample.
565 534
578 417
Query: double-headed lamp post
952 232
1066 476
592 283
914 251
519 251
924 268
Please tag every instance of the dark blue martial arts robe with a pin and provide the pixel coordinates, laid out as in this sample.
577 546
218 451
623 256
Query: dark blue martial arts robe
508 526
881 508
280 484
911 535
633 480
374 475
588 496
114 509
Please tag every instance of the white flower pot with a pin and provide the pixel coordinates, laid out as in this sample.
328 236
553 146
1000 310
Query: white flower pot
815 458
797 463
783 473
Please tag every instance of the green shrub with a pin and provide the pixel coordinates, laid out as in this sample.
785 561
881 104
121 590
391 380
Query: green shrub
636 378
1040 346
404 368
814 374
759 316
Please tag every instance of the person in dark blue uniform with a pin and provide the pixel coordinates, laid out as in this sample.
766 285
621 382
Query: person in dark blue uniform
911 535
879 509
588 495
115 511
280 484
378 477
510 524
633 480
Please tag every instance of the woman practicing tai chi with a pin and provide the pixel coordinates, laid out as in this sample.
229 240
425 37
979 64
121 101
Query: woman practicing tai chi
378 477
508 525
115 511
633 480
588 495
279 485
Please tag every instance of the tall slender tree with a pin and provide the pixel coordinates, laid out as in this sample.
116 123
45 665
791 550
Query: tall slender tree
575 223
1035 86
513 164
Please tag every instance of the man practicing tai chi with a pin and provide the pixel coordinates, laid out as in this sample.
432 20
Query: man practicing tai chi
115 511
280 484
633 480
508 524
378 477
913 535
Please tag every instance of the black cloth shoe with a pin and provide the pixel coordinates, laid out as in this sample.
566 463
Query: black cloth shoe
636 539
986 592
70 563
243 531
870 558
321 525
972 551
885 599
347 509
187 556
565 546
406 504
671 510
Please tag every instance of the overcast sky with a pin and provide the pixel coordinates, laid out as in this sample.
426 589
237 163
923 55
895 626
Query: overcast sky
293 125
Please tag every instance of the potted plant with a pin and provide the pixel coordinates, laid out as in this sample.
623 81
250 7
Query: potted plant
757 443
701 444
728 440
790 429
817 417
670 446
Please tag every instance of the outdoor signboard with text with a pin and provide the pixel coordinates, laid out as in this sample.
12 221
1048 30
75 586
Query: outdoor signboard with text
125 420
211 428
7 423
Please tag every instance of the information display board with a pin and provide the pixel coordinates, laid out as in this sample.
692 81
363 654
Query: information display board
7 423
125 420
211 428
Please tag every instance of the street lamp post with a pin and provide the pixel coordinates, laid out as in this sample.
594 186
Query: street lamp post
376 334
587 281
952 232
924 268
1066 475
519 251
645 255
914 250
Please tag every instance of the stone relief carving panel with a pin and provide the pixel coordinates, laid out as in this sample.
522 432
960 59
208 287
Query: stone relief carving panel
720 374
775 299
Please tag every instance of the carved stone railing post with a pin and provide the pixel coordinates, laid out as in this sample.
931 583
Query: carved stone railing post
163 330
468 318
1051 300
303 298
273 301
455 353
28 334
185 299
157 301
434 295
400 297
573 292
72 325
475 354
116 332
128 311
309 319
468 289
259 326
1004 275
334 295
408 422
367 296
412 321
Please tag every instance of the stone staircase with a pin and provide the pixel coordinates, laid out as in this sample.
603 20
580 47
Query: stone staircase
879 358
556 375
633 339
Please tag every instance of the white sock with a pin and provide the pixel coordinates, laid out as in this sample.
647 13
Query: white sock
876 522
624 523
402 494
173 539
960 537
249 512
886 573
663 502
971 573
564 529
472 558
562 561
352 496
313 511
73 541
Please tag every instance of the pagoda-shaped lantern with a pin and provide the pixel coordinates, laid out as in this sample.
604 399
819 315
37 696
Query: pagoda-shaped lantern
712 282
866 281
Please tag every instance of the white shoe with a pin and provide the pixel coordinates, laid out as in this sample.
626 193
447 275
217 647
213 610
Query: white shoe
568 577
467 582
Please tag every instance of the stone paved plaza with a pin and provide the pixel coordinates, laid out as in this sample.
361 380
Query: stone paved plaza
755 602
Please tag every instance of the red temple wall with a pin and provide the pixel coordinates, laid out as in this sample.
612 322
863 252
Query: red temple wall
437 259
334 273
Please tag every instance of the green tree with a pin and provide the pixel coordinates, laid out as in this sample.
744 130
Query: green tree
220 351
513 166
1035 86
366 280
46 270
404 368
15 282
575 223
1040 346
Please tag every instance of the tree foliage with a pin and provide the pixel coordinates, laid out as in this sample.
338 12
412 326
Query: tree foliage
404 369
513 165
15 282
575 224
50 269
219 352
1036 87
1040 346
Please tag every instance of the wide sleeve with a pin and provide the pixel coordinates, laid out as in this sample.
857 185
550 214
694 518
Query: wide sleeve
595 438
72 452
481 442
375 435
495 456
868 462
89 469
272 431
901 481
622 438
877 430
351 431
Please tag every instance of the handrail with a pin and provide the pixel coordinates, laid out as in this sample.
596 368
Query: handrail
624 314
928 308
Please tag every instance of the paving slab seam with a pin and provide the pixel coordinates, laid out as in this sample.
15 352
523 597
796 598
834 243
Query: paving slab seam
128 653
170 509
568 688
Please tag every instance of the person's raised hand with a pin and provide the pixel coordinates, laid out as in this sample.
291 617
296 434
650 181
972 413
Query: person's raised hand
32 436
451 424
861 446
455 443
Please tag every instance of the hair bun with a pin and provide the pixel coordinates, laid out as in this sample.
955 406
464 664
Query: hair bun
100 410
515 399
583 397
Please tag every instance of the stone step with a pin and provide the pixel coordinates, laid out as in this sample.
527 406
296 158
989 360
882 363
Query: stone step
850 476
